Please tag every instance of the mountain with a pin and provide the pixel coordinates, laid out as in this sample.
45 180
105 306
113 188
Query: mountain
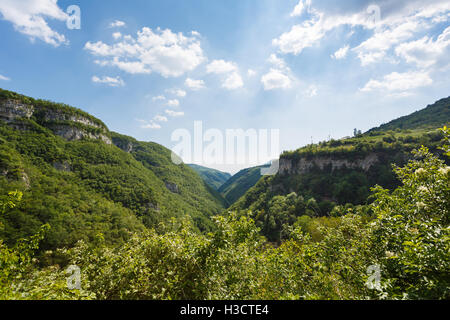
322 179
212 177
237 185
433 116
86 181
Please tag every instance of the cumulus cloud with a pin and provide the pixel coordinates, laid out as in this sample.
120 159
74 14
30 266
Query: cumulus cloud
302 6
117 24
426 52
110 81
279 75
162 51
220 67
159 98
29 17
174 113
149 124
173 103
160 118
194 84
177 92
399 82
375 48
232 80
399 23
117 35
4 78
341 53
276 79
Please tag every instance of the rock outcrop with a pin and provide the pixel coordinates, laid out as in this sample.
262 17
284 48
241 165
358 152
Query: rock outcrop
172 187
11 110
69 126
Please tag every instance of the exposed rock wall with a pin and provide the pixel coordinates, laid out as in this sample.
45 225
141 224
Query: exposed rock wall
13 110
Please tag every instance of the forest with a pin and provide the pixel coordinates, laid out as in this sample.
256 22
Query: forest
133 225
403 235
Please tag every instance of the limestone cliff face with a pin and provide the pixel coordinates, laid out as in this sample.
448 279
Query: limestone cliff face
61 116
13 109
304 165
58 121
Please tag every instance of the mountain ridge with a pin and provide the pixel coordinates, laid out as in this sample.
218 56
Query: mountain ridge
73 171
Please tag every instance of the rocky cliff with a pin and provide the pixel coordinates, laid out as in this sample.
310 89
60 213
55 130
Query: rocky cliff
67 124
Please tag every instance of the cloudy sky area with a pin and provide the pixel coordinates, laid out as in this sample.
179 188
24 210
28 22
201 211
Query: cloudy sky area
313 69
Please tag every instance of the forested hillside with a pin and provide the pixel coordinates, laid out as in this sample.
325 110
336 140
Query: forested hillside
328 178
214 178
433 116
84 180
137 226
237 185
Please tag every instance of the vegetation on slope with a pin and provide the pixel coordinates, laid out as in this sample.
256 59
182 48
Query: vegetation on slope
404 237
276 202
212 177
85 188
433 116
237 185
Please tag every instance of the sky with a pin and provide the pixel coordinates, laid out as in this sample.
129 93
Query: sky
312 69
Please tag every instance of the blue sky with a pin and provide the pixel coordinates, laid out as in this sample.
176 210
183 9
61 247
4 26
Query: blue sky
312 69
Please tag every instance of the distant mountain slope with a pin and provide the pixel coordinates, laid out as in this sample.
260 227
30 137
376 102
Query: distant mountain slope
238 184
84 180
212 177
433 116
317 179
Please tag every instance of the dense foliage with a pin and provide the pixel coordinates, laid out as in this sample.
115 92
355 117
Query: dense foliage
86 187
212 177
434 116
406 239
240 183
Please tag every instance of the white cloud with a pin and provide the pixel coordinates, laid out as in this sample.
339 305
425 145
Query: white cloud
301 7
277 62
177 92
162 51
425 52
311 91
160 118
399 82
194 84
174 113
159 98
4 78
117 24
173 103
221 67
117 35
397 24
112 82
341 53
375 48
29 17
251 72
301 36
276 79
149 124
233 81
